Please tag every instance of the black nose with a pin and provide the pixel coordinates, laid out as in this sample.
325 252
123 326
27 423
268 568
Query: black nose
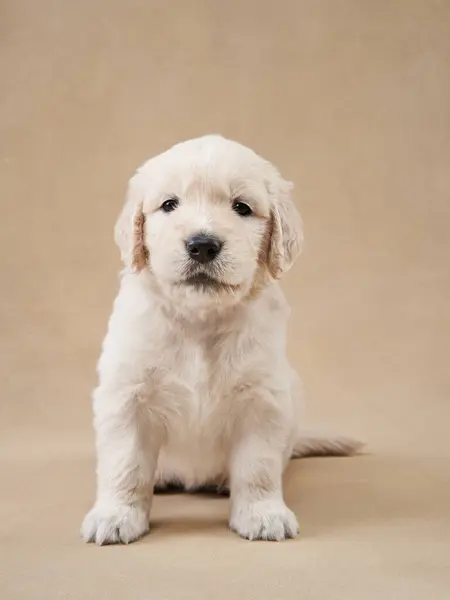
203 248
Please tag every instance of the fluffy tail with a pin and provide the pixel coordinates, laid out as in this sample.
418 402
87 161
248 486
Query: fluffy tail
316 443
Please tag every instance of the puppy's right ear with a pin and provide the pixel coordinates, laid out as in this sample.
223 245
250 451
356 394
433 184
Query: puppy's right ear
129 232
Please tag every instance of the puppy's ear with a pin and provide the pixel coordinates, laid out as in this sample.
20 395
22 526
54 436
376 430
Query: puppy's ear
286 238
129 232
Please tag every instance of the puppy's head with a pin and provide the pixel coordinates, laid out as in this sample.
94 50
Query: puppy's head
209 219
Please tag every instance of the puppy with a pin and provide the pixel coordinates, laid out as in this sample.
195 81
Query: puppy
194 385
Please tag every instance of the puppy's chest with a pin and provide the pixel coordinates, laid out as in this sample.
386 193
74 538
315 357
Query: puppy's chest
205 374
205 370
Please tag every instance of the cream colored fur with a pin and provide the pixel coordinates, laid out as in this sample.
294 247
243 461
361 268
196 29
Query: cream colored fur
194 384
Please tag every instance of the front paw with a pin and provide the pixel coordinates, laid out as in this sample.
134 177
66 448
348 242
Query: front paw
264 520
115 524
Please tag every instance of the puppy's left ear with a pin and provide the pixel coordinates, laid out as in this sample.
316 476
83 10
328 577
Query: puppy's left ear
286 238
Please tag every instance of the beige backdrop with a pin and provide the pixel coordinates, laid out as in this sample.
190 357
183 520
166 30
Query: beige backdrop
351 99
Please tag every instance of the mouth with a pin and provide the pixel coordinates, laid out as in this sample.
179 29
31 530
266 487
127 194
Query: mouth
203 281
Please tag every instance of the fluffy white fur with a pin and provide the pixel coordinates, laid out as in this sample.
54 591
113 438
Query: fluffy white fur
194 384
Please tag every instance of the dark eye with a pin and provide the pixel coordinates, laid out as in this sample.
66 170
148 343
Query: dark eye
170 205
242 209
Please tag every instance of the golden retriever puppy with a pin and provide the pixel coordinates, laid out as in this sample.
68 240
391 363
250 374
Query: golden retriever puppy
194 385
